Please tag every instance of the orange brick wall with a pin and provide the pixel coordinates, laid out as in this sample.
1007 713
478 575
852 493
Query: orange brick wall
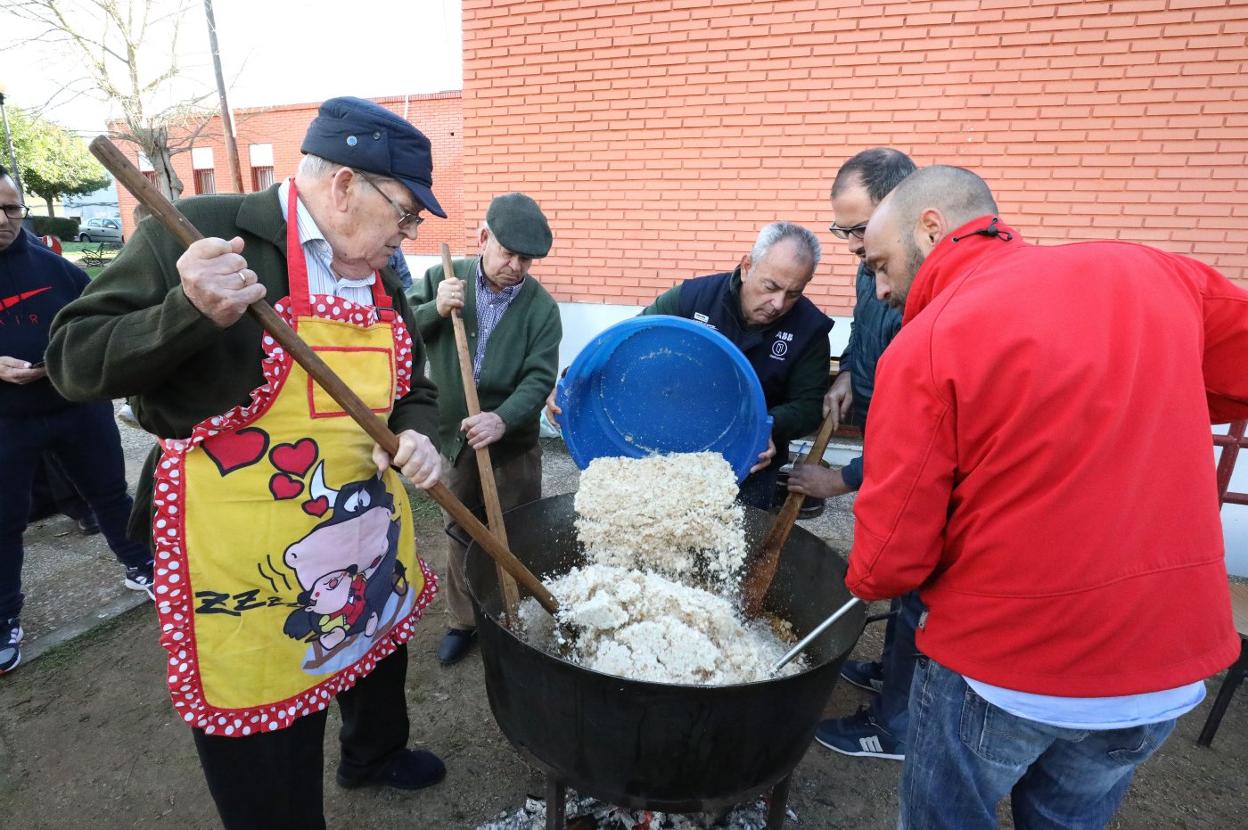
439 116
659 135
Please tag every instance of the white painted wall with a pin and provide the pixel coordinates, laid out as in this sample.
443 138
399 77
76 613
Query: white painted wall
1235 517
583 322
418 264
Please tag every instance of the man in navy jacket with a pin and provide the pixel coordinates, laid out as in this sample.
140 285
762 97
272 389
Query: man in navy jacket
35 284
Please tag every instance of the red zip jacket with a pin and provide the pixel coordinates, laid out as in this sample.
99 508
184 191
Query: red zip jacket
1039 463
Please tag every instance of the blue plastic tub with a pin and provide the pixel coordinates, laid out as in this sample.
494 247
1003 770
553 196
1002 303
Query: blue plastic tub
659 384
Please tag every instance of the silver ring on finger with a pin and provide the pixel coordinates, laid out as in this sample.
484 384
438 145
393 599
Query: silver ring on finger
242 279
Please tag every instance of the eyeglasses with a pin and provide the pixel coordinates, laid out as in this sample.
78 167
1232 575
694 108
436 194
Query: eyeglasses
857 231
15 211
406 218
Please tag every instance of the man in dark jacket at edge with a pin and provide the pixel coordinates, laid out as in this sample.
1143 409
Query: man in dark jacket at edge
35 284
878 730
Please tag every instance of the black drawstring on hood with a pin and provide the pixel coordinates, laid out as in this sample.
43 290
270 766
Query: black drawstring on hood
990 229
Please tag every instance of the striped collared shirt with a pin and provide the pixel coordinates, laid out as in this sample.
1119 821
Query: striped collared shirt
491 306
316 250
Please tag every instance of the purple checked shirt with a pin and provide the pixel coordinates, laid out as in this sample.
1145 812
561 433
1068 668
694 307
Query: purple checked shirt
491 306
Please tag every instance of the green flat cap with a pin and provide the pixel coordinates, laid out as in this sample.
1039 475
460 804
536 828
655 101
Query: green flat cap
519 225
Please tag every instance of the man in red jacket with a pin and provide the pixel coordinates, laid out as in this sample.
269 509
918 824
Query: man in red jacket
1039 466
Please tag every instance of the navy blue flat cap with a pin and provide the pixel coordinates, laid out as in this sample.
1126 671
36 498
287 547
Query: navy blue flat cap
368 137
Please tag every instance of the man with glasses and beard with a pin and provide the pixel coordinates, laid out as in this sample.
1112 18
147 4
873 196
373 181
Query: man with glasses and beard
1040 472
166 327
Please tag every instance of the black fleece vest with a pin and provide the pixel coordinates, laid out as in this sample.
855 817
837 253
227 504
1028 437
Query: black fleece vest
773 350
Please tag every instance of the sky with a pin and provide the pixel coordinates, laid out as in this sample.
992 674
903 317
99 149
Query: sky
272 52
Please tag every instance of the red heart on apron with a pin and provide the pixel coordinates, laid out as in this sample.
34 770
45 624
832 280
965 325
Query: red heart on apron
283 486
232 451
296 458
316 506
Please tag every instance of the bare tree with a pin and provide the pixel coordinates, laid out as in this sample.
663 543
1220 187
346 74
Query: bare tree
107 40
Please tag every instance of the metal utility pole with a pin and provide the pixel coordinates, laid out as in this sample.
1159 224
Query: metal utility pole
227 122
8 140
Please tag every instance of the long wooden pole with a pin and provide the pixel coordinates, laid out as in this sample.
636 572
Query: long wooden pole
485 467
759 578
130 178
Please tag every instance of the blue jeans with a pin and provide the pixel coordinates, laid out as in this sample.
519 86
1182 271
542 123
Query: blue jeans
84 439
965 755
892 707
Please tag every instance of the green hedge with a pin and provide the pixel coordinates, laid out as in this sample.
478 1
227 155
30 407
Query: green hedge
63 226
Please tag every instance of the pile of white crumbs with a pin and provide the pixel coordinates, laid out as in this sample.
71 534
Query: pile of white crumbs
657 599
676 514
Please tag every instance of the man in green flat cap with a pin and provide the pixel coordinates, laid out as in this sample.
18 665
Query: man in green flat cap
513 332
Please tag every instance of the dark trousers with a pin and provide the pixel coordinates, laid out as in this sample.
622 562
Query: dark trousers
52 492
892 707
519 481
273 780
759 489
83 439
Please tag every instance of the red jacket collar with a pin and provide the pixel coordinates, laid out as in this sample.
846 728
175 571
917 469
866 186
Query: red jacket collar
953 256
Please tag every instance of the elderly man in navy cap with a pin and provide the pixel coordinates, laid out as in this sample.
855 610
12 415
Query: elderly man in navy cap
286 572
514 332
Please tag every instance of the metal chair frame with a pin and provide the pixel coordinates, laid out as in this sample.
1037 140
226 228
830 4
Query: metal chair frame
1231 444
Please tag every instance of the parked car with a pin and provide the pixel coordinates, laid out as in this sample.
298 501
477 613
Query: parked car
100 230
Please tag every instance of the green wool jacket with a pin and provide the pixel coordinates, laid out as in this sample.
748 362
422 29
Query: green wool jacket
520 364
802 410
133 333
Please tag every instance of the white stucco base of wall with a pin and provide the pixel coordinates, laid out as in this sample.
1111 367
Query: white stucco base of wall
1235 517
583 321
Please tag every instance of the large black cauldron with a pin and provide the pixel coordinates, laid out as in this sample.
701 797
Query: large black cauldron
651 745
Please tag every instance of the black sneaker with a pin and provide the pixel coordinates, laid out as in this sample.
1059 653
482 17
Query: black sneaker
864 675
455 645
139 578
411 769
10 644
88 526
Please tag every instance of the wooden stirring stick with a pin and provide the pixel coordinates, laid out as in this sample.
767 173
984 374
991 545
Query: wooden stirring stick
130 178
763 571
485 468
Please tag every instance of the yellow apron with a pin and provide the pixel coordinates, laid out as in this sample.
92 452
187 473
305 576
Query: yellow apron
285 567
